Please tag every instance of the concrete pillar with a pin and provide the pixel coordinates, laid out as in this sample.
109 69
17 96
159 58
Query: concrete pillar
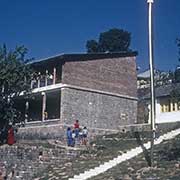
158 107
54 75
25 80
171 106
32 84
60 105
26 111
43 105
39 78
176 106
46 78
164 108
2 91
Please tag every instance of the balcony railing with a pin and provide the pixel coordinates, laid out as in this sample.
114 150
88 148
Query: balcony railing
42 80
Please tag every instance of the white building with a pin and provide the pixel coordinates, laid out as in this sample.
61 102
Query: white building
167 105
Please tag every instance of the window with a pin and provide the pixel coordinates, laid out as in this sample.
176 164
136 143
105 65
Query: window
169 105
165 105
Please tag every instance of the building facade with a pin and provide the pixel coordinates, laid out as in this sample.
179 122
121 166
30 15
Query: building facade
167 103
99 90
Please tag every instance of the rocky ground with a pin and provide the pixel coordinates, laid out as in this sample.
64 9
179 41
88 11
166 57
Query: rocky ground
53 160
50 160
166 165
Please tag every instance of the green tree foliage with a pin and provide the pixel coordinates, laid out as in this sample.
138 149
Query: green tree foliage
15 78
177 75
163 78
92 46
178 45
175 93
113 40
177 71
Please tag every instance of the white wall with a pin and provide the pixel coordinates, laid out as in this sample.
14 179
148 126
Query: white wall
168 117
165 117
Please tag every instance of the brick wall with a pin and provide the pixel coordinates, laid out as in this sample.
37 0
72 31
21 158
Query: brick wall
117 75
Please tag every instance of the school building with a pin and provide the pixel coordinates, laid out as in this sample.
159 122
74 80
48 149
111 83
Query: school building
100 90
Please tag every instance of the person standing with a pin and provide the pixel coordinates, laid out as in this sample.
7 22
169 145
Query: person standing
85 133
10 138
1 176
73 138
69 136
76 128
80 136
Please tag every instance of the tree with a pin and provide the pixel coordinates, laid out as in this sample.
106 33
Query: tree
113 40
178 45
177 71
175 94
92 46
177 75
15 77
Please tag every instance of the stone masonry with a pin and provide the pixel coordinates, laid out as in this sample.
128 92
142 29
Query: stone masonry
97 110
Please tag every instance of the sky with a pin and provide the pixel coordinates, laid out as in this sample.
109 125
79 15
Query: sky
51 27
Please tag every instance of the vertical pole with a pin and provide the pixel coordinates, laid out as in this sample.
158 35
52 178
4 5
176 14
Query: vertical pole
39 80
2 91
151 63
26 111
60 105
54 75
43 105
176 106
46 77
25 80
171 105
31 84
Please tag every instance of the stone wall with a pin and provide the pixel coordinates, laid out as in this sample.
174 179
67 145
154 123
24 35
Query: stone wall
97 110
58 131
43 131
116 75
30 160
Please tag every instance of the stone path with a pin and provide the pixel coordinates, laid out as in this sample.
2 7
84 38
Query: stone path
126 156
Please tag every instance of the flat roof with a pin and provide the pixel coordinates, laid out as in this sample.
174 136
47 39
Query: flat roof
84 56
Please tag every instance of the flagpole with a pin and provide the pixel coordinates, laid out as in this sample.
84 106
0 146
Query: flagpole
151 64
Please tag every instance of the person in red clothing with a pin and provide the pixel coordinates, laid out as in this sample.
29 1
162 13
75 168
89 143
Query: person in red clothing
76 128
10 138
76 124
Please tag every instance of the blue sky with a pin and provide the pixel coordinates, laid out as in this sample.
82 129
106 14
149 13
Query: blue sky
50 27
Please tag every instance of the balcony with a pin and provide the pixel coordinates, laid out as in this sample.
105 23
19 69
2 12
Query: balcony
45 79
